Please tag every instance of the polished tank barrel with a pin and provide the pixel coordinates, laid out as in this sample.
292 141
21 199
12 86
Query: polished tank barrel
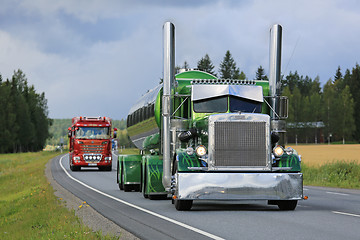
169 69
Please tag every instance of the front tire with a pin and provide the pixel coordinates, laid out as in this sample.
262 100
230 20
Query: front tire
74 168
287 205
183 205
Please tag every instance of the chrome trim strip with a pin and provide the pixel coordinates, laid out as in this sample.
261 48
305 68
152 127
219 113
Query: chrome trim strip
251 92
132 183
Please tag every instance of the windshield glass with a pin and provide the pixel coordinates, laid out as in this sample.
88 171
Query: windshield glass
211 105
92 133
244 105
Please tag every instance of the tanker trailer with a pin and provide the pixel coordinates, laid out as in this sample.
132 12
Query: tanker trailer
204 138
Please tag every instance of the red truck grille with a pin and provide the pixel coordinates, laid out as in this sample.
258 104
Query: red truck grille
92 148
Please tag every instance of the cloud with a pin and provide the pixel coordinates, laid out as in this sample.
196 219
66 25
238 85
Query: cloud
98 57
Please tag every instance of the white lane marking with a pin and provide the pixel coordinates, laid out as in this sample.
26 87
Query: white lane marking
347 214
335 193
142 209
115 154
305 189
302 206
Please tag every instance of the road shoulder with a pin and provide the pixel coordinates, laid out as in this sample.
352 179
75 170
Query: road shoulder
86 213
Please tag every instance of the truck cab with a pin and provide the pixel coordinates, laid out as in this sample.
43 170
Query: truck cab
90 143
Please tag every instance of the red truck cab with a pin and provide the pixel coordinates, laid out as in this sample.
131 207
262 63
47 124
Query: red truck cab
90 143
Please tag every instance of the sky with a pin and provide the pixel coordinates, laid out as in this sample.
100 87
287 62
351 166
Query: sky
97 57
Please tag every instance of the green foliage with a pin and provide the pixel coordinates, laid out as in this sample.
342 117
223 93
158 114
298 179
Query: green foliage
228 69
205 64
28 206
24 122
58 131
339 174
354 84
260 74
335 106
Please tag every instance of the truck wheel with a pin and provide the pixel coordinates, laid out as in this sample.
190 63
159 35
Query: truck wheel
127 188
183 205
117 178
287 205
74 168
144 185
137 188
121 183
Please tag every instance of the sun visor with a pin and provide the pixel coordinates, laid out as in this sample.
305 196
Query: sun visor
250 92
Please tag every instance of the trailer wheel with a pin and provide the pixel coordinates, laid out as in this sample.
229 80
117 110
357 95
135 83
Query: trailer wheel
121 183
287 205
183 205
127 188
144 185
119 179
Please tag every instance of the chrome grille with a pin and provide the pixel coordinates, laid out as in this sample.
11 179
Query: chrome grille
240 144
92 148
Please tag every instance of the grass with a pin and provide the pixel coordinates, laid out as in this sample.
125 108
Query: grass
28 207
331 165
129 151
339 174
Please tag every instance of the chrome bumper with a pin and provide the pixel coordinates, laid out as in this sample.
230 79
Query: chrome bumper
239 186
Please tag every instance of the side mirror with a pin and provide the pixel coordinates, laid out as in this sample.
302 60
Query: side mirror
283 103
69 133
115 133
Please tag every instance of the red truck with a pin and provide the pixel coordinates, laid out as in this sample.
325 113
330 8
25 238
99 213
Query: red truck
90 143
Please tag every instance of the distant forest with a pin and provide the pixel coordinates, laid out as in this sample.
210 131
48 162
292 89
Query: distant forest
24 122
330 113
327 114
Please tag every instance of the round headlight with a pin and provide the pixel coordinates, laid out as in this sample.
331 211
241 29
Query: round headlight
190 151
289 150
278 151
200 150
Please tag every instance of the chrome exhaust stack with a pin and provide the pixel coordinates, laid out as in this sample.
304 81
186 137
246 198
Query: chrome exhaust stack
169 70
277 103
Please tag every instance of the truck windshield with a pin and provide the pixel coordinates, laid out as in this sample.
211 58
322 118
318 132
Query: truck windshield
244 105
211 105
92 133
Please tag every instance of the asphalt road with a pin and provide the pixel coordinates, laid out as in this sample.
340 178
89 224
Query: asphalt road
327 214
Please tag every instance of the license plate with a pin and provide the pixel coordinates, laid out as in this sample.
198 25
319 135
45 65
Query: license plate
92 164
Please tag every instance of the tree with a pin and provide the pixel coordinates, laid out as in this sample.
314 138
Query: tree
24 118
354 83
291 81
346 114
186 65
260 74
228 69
338 74
205 64
242 76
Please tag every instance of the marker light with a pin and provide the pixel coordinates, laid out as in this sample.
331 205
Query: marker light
200 150
278 151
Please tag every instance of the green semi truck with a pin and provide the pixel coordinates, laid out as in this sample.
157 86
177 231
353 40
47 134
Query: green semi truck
205 138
